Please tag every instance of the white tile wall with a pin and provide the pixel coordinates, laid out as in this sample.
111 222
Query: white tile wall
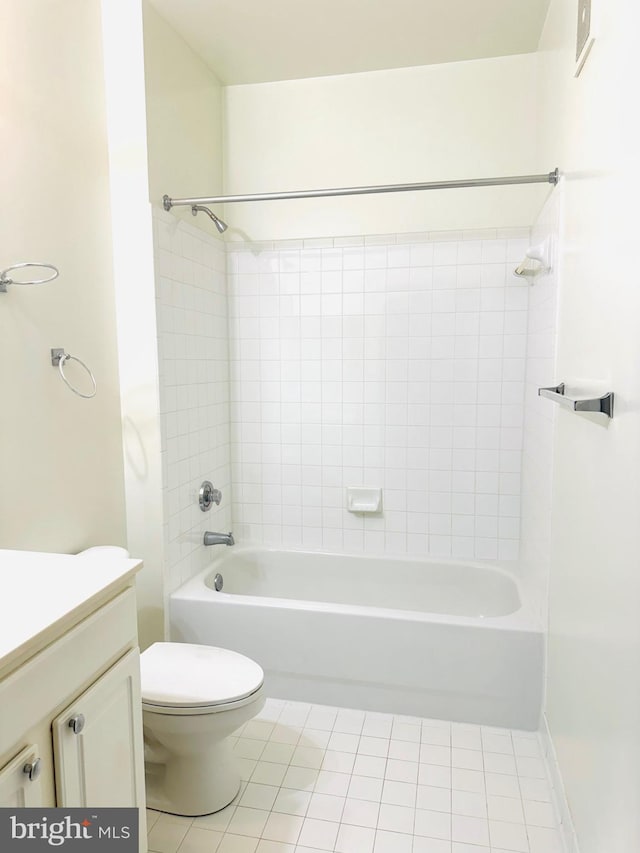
388 361
394 360
537 456
194 388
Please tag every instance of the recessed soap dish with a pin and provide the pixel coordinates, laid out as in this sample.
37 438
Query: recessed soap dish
364 499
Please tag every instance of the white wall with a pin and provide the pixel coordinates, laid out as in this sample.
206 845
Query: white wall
457 120
396 363
539 413
184 119
135 303
60 456
164 136
183 101
590 125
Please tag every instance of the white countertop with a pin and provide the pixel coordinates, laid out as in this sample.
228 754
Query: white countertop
39 593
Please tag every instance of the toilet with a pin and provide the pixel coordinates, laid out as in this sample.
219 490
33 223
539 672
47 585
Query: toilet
193 698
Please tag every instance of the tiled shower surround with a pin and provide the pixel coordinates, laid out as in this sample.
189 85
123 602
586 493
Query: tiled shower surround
193 357
394 361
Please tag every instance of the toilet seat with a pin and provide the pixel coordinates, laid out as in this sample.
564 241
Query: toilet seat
185 678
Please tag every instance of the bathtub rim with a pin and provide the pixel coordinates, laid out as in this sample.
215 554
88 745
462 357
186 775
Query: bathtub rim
522 619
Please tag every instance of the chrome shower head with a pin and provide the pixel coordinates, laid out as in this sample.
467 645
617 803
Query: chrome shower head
220 225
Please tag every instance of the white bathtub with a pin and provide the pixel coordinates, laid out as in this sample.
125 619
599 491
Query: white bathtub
427 638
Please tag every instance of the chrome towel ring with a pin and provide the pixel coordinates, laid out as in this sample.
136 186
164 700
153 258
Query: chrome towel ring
58 359
5 278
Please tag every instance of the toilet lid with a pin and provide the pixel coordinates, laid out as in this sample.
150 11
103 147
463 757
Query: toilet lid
183 675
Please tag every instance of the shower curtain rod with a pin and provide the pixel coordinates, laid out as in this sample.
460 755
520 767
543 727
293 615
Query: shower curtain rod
549 178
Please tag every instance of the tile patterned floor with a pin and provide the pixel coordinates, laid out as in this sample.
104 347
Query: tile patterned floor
317 778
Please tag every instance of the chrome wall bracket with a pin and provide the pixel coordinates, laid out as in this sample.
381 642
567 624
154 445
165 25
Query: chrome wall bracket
598 405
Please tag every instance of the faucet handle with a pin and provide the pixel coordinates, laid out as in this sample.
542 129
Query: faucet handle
208 495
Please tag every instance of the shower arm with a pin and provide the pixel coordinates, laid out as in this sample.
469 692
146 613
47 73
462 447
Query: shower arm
547 178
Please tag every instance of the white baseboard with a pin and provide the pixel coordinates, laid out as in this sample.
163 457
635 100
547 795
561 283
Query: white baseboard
567 830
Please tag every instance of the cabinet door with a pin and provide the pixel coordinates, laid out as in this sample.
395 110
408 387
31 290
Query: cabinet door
20 780
97 742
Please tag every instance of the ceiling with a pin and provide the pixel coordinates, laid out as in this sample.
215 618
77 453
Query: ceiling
257 41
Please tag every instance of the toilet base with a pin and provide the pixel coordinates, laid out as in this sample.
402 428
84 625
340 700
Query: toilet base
195 785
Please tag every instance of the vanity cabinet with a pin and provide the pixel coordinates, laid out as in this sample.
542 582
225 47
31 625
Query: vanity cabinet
96 738
20 780
71 716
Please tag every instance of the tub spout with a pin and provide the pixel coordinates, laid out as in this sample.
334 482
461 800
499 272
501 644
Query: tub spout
218 538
